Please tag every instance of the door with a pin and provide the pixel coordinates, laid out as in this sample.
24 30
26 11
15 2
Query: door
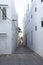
26 40
31 39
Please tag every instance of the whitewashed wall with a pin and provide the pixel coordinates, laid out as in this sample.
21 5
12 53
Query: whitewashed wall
35 37
6 32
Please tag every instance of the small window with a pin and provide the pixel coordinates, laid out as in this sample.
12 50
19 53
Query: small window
42 24
31 16
0 13
35 9
4 13
35 28
41 0
29 20
31 0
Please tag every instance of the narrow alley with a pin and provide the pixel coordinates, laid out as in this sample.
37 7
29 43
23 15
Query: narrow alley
21 32
22 56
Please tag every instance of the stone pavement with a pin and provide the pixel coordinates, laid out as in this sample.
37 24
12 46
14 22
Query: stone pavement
22 56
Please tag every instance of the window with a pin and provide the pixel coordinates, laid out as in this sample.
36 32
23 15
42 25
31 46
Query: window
35 9
29 20
4 13
31 0
31 16
0 13
41 0
42 24
35 28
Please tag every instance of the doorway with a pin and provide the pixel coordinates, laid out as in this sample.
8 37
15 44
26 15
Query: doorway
31 39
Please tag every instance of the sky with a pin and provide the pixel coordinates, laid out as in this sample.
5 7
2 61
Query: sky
21 6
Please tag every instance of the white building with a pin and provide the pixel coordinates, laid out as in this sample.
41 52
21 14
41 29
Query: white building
34 27
8 27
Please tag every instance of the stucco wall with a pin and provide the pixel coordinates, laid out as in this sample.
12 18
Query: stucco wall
35 37
7 44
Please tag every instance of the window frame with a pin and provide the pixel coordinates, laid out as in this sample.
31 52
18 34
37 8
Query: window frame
41 0
42 23
4 14
35 9
35 28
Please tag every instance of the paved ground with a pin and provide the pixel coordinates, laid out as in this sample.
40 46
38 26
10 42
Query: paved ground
22 56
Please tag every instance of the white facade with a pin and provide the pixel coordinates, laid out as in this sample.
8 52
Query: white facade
8 28
34 27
